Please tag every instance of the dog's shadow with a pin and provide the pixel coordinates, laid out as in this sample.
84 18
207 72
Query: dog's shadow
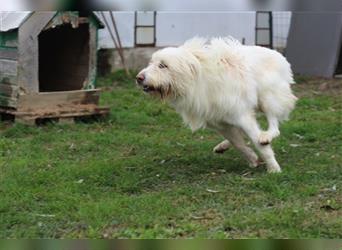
196 168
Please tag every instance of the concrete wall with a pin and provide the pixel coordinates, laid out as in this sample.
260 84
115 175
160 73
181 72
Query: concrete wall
136 59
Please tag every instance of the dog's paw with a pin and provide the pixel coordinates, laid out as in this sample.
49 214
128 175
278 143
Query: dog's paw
265 138
255 163
274 170
221 147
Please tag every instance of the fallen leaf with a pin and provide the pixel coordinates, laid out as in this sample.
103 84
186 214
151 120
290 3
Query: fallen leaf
332 189
246 173
324 86
45 215
212 191
298 136
294 145
79 181
248 179
195 217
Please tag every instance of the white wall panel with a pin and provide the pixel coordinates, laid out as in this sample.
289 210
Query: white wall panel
125 23
173 28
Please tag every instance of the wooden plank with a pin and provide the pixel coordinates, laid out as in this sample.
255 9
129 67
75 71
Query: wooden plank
6 101
63 116
9 39
10 54
82 20
35 23
64 17
52 100
11 44
8 67
8 90
28 50
8 79
95 21
79 111
66 120
92 57
25 120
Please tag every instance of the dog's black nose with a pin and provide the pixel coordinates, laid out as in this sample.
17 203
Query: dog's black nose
140 79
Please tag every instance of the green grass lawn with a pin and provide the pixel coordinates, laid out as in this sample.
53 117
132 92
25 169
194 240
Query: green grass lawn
142 174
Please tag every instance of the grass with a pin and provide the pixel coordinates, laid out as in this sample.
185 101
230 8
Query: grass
142 174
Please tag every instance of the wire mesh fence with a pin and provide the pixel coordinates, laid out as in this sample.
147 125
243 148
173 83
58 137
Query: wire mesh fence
281 26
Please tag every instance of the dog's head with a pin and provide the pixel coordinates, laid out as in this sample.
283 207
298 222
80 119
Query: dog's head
169 73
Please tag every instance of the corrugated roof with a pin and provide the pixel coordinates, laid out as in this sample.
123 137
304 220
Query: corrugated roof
12 19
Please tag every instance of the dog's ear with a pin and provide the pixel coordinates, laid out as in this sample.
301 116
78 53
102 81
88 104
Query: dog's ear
195 47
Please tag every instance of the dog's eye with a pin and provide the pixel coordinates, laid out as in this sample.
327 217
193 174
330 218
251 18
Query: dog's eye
162 66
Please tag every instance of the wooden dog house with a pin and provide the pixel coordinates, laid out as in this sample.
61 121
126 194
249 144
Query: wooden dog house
48 65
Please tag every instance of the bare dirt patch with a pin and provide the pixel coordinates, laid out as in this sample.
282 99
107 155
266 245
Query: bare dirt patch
311 86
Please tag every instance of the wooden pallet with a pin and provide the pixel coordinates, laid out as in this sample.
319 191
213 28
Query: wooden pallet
62 115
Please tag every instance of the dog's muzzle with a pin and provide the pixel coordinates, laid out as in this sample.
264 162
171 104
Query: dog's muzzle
147 88
140 79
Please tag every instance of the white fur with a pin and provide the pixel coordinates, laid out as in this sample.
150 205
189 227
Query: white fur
220 84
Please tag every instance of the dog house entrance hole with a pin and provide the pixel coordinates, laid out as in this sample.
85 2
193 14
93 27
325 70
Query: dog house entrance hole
63 58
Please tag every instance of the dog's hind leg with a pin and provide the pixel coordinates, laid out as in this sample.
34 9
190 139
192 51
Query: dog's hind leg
221 147
272 132
251 128
235 136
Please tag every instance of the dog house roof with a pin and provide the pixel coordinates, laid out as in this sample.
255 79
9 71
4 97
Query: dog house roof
10 20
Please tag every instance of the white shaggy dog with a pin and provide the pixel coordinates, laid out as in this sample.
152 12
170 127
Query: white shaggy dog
220 84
